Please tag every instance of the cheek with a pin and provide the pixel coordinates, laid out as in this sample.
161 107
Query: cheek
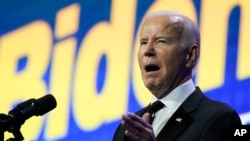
171 64
140 52
139 57
174 66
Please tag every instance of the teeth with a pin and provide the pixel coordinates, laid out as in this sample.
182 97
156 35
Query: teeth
152 68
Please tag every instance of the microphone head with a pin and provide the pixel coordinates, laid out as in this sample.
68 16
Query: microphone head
27 109
45 104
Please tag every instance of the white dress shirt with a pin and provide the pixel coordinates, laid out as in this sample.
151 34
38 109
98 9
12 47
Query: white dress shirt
172 102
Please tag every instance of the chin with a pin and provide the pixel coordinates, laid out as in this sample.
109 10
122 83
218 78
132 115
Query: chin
152 88
155 89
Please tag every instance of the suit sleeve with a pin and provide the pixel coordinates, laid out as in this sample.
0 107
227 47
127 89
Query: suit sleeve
219 127
118 134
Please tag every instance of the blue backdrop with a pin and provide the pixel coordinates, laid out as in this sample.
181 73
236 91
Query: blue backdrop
56 40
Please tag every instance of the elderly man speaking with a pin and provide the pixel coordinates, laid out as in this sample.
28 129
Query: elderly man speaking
179 111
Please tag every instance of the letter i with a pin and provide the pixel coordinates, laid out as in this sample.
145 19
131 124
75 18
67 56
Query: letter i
67 21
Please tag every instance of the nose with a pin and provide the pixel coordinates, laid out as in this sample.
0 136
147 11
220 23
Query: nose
150 53
150 50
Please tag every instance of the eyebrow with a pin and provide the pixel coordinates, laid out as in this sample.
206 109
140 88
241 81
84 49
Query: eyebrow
156 38
160 37
143 38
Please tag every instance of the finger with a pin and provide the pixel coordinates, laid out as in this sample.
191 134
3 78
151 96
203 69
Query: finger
130 131
135 124
138 119
127 126
133 136
131 124
146 117
145 128
135 129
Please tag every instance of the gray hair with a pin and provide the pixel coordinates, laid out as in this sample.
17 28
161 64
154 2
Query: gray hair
190 33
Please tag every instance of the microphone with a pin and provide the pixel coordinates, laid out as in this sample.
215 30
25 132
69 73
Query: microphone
27 109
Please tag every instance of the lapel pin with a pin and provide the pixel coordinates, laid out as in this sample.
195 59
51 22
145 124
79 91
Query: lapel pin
178 119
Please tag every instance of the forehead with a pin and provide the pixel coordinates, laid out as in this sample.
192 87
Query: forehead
162 24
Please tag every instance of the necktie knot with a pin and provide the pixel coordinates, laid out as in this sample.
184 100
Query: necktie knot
153 108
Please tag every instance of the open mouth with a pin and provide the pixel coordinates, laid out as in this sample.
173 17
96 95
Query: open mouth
151 68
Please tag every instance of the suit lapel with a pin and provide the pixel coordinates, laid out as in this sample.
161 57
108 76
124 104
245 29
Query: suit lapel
181 118
176 124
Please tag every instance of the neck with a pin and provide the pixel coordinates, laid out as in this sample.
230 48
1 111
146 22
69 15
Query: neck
171 87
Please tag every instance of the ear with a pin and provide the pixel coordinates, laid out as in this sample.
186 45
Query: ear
191 56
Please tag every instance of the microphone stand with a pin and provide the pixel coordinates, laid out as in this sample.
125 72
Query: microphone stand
2 130
14 129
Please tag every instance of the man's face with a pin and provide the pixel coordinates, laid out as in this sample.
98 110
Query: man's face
161 55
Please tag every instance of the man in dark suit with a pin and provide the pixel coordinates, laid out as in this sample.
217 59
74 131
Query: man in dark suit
169 51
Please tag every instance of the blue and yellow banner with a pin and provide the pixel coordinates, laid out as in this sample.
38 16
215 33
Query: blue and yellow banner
85 54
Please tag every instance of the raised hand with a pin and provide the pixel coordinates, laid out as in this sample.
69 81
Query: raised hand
138 128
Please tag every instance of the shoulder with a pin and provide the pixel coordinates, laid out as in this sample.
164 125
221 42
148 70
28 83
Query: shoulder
221 118
209 104
219 112
198 100
199 106
212 119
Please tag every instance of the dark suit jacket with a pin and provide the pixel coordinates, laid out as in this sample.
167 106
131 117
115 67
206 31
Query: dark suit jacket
202 119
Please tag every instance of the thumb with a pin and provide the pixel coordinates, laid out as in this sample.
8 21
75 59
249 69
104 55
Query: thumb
146 117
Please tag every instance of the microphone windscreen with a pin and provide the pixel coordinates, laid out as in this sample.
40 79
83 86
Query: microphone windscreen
45 104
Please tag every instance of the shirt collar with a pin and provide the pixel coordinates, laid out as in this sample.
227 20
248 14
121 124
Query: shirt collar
177 96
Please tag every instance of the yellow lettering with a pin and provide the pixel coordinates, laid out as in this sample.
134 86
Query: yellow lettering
213 50
61 74
141 92
112 39
60 87
67 21
32 41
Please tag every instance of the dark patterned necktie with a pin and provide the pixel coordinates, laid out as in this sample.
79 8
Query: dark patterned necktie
153 108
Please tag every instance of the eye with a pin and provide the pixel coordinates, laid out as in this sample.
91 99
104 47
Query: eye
143 42
161 41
